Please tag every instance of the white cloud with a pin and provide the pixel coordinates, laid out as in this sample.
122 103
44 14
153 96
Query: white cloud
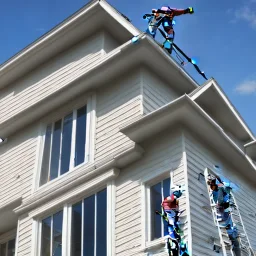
247 87
246 13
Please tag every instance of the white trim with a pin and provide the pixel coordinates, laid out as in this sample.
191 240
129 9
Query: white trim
147 182
111 218
8 236
60 115
82 229
39 154
93 128
17 238
65 231
34 239
47 208
213 83
41 40
127 25
185 164
88 131
73 140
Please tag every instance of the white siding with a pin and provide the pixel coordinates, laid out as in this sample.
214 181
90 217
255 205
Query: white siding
17 165
24 236
162 154
53 75
117 104
199 158
156 92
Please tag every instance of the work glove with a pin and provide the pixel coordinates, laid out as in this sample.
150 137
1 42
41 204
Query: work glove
189 10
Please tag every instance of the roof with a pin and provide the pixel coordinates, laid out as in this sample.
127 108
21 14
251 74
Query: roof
56 41
187 112
213 100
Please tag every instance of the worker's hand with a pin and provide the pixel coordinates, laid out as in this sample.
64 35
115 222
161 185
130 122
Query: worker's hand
190 10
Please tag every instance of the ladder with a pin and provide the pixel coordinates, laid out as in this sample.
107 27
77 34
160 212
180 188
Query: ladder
237 220
226 243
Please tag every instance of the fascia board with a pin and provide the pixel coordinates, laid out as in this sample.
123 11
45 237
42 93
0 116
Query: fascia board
172 61
26 51
213 83
141 126
233 109
126 24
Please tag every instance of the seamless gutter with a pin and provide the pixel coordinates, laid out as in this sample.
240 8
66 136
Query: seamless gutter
169 108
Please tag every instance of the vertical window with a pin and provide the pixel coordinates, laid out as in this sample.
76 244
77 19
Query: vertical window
89 226
8 248
51 237
157 193
64 145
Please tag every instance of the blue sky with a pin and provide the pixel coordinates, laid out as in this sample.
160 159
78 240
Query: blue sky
220 34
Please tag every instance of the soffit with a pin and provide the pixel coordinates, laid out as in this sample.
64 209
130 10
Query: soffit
212 99
188 113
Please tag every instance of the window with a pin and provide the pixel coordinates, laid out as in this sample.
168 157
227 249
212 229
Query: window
65 145
156 194
8 248
89 226
51 238
86 225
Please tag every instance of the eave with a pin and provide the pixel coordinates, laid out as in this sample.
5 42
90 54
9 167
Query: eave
250 149
213 100
121 60
99 14
8 217
188 113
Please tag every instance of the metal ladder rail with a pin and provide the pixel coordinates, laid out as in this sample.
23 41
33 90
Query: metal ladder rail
214 212
246 245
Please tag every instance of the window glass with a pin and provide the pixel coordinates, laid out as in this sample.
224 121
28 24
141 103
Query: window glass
46 237
157 193
101 224
80 136
11 248
156 200
89 224
57 234
76 236
66 143
55 156
3 249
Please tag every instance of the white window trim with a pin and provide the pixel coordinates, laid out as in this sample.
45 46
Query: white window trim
90 103
66 228
6 237
149 180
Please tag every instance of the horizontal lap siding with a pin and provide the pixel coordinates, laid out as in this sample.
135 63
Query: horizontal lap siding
50 77
117 104
17 165
156 93
199 158
161 154
25 236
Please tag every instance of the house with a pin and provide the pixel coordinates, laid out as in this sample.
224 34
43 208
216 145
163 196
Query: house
94 134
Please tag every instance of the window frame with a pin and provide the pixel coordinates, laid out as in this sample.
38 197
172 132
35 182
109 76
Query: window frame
60 114
147 183
67 221
7 237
